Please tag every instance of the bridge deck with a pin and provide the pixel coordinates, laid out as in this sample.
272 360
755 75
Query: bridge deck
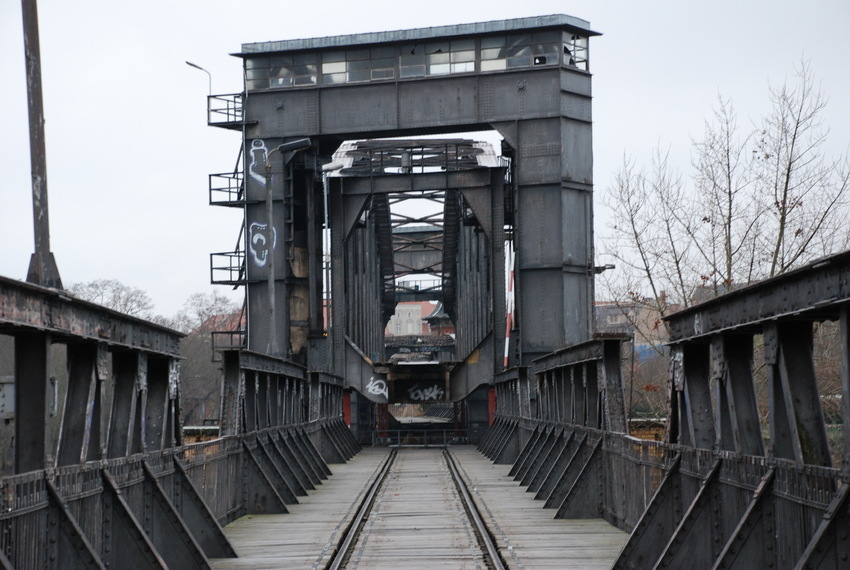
306 536
527 534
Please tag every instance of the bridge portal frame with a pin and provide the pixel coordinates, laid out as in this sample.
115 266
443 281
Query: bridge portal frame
537 97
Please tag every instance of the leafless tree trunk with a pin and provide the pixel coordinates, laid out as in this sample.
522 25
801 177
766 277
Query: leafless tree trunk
804 192
760 203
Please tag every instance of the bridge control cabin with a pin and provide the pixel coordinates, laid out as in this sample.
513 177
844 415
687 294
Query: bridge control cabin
480 131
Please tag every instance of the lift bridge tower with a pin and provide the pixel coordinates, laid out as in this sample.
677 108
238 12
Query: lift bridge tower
340 134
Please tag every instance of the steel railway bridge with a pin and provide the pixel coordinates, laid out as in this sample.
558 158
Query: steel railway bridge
354 184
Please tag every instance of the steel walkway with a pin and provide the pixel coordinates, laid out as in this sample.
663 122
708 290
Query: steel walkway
416 521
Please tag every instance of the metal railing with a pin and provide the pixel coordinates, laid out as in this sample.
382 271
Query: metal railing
227 189
419 437
107 510
719 492
227 268
225 110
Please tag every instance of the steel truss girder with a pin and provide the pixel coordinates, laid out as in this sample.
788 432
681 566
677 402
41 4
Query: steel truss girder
732 367
263 455
419 182
68 546
66 318
583 497
584 383
659 520
815 292
563 453
255 391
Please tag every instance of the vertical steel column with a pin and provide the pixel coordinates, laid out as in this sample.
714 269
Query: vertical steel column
554 229
79 435
738 424
123 426
274 400
569 380
798 423
691 421
697 395
32 359
249 406
263 399
580 379
315 396
42 269
844 339
339 298
612 384
157 420
232 393
592 394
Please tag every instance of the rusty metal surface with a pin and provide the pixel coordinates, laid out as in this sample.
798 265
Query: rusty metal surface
261 363
814 291
24 305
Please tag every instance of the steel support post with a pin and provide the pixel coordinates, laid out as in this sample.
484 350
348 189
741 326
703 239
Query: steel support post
795 399
157 410
580 394
232 394
690 371
249 405
79 436
591 378
262 400
612 383
123 421
844 339
738 424
32 359
569 377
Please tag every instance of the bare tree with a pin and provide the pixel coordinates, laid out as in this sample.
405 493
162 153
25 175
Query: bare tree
742 219
212 309
760 203
113 294
200 316
729 221
648 239
804 192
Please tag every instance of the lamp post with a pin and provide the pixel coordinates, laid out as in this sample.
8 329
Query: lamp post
209 75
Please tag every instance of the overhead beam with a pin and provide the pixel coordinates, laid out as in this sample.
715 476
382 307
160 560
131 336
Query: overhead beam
49 310
816 289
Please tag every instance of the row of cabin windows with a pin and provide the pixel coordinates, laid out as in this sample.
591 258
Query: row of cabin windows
493 53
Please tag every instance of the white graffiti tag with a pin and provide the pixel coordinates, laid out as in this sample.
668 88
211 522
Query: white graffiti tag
378 388
259 156
261 242
418 394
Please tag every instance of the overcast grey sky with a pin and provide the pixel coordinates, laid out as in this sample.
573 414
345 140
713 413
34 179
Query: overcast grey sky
128 149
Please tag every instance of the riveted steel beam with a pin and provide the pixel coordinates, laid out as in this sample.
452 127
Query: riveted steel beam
66 318
815 291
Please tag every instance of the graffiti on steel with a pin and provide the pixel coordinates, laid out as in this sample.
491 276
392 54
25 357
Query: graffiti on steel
378 387
261 242
418 394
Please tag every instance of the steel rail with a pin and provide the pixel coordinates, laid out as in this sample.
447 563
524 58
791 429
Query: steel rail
481 531
343 551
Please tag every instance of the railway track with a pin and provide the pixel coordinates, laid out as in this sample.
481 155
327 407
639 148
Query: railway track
417 513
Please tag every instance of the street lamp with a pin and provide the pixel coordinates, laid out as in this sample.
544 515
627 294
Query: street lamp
209 75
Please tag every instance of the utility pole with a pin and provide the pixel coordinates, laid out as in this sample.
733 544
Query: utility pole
42 270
